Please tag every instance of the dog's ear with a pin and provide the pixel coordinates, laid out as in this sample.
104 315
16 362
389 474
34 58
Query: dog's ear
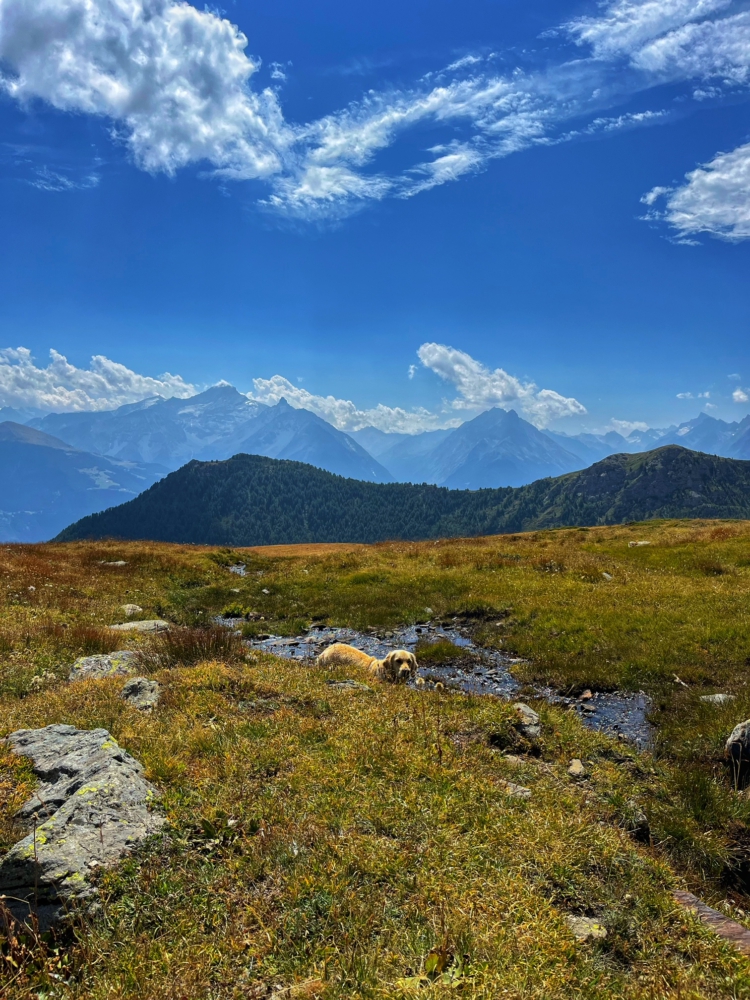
413 661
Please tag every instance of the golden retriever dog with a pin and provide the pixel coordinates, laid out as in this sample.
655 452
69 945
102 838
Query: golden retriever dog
397 667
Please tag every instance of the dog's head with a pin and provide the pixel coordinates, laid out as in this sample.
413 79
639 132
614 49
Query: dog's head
401 664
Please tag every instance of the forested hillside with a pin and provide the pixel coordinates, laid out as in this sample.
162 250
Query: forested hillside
249 500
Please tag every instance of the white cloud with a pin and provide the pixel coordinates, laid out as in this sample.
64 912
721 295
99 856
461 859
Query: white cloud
174 79
177 85
701 50
741 396
477 389
480 388
627 427
62 387
715 199
463 62
343 413
689 395
652 196
627 25
50 180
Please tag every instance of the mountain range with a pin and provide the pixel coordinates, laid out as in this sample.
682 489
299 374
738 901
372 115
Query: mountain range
45 483
213 425
250 500
145 440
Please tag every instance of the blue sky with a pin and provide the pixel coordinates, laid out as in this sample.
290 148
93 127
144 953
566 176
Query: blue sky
418 210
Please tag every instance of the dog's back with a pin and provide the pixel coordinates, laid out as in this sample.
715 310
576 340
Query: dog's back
346 656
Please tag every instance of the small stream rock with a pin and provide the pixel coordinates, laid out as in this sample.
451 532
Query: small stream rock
92 805
527 722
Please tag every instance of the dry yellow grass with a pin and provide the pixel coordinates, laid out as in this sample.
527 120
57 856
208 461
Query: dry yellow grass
334 843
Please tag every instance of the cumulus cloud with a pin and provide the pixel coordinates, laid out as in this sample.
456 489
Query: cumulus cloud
62 387
179 87
477 389
174 79
343 413
480 388
715 199
741 396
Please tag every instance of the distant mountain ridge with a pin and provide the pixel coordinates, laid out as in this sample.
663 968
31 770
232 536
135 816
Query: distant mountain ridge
249 500
45 483
496 448
214 424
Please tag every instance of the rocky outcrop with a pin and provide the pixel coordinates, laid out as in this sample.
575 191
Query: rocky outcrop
92 805
142 693
123 663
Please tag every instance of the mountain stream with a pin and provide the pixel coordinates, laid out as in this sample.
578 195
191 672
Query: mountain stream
484 671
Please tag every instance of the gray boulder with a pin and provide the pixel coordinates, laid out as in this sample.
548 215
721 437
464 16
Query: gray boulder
142 693
92 805
527 721
123 663
738 751
738 743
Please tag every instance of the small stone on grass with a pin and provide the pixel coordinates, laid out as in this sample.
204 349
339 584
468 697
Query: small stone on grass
586 928
142 693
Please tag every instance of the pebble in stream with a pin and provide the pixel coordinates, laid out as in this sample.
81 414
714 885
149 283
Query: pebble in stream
619 714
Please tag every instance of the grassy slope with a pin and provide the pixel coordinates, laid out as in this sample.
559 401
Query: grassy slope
369 830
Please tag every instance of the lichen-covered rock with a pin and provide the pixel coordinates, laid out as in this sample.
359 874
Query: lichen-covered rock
132 609
123 663
150 625
585 928
92 805
527 721
142 693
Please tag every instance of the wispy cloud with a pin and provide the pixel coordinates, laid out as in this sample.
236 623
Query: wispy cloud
177 83
51 180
